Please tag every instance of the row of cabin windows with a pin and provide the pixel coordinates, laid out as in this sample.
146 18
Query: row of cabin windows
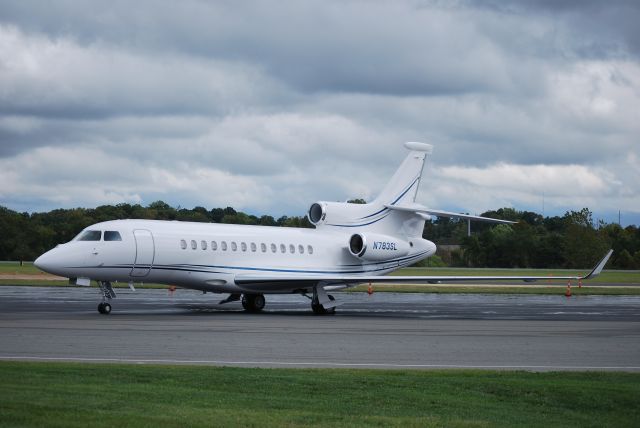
243 246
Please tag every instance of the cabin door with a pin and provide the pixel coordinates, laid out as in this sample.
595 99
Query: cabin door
145 253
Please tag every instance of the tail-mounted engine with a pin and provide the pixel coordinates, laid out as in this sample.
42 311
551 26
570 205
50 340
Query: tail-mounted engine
343 214
374 247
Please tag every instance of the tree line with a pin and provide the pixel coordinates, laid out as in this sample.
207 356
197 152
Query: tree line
568 241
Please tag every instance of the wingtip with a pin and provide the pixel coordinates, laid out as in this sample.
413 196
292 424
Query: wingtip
600 266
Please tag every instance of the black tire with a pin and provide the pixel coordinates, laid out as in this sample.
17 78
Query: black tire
101 308
253 302
107 309
259 301
332 310
318 309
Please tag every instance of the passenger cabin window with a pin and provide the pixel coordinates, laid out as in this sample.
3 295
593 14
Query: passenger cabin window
273 248
90 235
283 248
112 235
263 247
243 246
183 244
309 249
203 245
234 246
214 245
194 244
223 244
253 247
301 249
292 248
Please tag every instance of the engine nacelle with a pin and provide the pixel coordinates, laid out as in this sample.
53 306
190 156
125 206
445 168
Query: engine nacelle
317 213
374 247
337 213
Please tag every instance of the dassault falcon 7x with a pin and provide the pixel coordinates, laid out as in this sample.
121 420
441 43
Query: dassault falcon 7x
350 245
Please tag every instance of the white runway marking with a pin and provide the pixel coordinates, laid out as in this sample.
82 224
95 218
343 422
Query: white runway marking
309 364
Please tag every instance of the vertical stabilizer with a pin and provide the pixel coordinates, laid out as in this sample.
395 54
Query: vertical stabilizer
403 186
377 216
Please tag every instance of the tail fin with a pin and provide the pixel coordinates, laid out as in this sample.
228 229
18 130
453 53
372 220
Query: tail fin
403 186
378 215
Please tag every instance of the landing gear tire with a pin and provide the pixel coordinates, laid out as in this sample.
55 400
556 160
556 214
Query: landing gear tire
104 308
253 302
318 309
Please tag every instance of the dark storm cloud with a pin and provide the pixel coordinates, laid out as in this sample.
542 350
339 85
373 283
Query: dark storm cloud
599 29
264 105
381 48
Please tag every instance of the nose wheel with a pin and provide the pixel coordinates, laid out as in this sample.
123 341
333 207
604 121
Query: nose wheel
107 293
104 308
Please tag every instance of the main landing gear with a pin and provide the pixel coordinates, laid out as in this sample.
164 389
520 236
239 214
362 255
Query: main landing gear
253 302
107 294
322 303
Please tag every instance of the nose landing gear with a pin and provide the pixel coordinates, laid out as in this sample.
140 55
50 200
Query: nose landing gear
104 308
107 294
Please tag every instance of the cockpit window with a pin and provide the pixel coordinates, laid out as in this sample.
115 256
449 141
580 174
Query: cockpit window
112 235
90 235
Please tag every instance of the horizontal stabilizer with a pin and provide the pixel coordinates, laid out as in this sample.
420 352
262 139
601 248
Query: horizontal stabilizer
419 209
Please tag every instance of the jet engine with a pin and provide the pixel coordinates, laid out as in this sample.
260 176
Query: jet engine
375 247
317 213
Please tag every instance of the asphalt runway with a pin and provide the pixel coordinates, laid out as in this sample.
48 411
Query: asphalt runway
384 330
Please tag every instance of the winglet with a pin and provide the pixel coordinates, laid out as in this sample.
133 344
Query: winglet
596 270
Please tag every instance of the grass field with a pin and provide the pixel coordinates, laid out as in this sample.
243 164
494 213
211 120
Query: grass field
97 395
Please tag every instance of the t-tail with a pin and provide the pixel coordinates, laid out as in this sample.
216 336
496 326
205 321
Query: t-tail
391 224
381 215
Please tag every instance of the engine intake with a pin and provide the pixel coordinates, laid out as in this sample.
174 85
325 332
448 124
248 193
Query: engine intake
317 213
374 247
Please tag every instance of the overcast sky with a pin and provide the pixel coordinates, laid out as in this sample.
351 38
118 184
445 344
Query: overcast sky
270 106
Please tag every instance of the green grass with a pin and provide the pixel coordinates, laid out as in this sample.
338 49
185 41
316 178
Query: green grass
14 268
74 395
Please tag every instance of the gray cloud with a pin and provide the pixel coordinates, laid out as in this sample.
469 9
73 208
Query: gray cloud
269 108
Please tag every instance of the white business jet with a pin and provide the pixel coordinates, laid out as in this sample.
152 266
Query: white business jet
350 245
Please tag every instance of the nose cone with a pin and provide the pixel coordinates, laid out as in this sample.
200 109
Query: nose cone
51 262
43 262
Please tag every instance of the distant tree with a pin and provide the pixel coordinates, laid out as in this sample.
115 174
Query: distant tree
625 260
356 201
567 241
267 220
583 246
584 218
216 215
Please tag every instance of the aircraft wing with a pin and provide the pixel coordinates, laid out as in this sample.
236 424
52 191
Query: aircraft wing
257 283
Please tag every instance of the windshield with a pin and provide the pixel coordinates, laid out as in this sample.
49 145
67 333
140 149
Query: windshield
112 235
89 235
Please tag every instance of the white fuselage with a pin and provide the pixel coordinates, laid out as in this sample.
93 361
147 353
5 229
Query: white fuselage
208 256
